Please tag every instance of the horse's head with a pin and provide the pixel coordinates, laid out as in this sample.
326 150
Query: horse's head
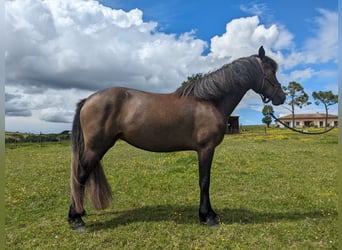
269 88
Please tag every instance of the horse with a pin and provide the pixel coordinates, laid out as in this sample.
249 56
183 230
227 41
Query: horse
191 118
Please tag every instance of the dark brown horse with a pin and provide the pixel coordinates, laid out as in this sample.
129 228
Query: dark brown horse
192 118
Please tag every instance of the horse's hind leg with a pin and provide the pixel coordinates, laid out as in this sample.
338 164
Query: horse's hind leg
75 218
79 176
93 133
90 175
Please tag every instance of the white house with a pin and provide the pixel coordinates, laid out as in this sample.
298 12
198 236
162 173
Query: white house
309 120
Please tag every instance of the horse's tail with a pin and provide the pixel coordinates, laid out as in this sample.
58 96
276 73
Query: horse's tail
77 147
98 189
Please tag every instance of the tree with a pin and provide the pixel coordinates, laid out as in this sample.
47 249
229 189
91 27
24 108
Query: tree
327 98
298 97
193 78
266 111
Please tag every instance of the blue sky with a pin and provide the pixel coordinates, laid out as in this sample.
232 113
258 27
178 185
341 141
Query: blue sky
58 52
209 18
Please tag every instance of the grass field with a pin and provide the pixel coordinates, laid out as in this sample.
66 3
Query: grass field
272 191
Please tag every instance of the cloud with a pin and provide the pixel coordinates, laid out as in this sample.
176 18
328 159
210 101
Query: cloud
45 104
256 9
58 52
9 97
244 35
56 114
85 45
301 75
15 106
323 46
14 111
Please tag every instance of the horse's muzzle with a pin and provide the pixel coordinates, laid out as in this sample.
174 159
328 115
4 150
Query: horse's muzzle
278 99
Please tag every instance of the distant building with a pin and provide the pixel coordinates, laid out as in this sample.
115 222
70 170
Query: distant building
233 125
309 120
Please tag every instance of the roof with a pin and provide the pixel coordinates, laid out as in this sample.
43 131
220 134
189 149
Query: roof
309 116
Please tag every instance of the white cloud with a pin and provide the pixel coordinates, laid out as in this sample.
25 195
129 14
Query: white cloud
58 52
244 35
56 114
301 75
256 9
324 46
83 44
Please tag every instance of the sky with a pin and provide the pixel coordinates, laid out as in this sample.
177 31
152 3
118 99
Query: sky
60 51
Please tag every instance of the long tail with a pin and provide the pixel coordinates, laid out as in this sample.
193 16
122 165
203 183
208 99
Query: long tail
98 189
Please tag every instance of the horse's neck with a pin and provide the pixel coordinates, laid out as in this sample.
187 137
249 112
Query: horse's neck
227 105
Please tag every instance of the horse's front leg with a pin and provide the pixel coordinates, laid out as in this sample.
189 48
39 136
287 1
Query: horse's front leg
207 215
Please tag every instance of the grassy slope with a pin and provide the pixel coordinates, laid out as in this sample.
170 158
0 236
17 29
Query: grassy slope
273 191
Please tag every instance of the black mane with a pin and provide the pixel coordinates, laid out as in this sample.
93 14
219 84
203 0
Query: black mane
214 85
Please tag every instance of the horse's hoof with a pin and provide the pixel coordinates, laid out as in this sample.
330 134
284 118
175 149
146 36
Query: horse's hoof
78 228
77 225
210 221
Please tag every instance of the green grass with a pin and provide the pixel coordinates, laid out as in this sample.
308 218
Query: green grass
272 191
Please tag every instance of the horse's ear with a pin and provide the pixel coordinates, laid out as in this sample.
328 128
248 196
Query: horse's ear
261 52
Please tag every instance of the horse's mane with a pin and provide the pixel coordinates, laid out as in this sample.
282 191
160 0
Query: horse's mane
214 85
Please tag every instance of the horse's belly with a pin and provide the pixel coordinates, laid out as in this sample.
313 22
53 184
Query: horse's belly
159 140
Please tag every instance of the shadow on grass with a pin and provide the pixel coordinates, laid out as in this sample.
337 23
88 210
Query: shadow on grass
189 215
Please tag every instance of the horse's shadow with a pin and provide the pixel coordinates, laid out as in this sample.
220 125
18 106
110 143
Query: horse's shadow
189 215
